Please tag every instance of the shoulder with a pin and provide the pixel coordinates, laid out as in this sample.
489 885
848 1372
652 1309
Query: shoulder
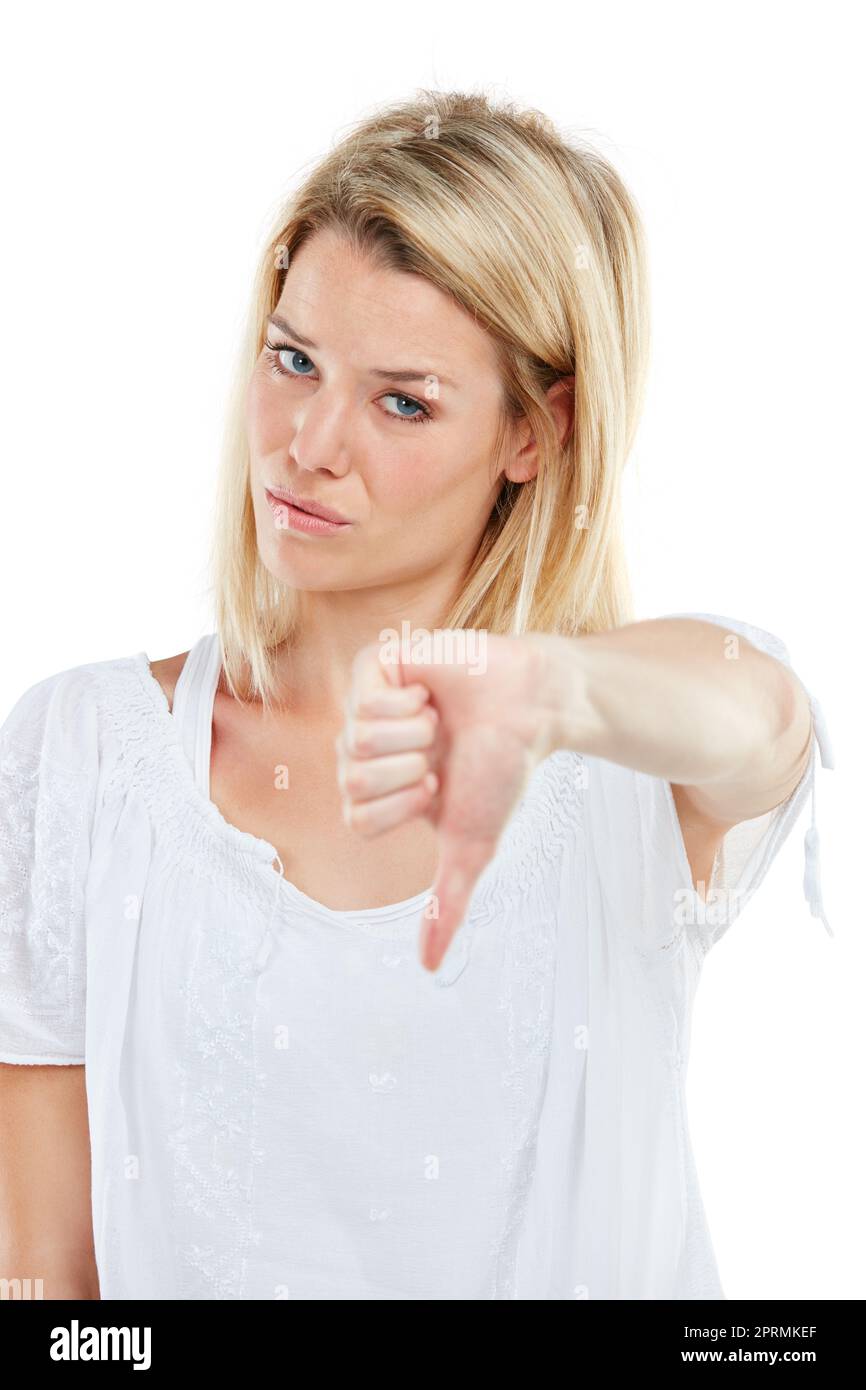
57 716
54 701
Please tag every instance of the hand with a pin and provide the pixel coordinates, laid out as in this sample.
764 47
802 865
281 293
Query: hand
453 741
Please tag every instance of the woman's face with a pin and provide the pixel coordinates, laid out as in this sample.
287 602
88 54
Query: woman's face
379 401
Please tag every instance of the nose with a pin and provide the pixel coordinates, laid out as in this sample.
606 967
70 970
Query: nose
319 440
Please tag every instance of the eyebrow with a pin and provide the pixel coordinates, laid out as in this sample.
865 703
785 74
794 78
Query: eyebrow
390 374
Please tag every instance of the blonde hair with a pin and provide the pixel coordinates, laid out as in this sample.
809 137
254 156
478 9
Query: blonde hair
541 242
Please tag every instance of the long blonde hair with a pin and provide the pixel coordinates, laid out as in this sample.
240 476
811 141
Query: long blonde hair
536 237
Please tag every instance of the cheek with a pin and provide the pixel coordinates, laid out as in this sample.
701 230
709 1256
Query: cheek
262 412
443 476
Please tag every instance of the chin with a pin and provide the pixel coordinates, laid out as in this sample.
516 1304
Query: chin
307 574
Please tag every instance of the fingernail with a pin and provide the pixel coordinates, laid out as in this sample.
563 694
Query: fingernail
429 955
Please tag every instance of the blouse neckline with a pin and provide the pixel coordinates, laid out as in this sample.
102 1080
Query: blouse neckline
194 788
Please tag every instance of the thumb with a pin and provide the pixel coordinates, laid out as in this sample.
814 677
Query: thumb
371 672
395 658
461 864
391 668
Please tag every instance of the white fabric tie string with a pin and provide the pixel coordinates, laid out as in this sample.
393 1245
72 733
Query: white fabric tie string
267 941
812 871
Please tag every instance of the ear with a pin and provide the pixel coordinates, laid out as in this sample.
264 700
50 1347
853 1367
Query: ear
522 464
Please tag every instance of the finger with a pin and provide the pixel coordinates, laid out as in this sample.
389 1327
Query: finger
361 780
391 703
384 812
370 738
460 866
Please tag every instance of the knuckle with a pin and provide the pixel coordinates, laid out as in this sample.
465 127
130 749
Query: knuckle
428 732
361 818
354 780
419 766
361 737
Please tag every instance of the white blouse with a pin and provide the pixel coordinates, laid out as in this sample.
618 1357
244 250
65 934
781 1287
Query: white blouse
282 1102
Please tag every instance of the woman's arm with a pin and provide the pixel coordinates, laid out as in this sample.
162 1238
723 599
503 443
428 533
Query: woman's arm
677 698
685 700
46 1229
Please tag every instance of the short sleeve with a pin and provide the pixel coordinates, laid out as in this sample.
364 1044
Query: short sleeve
48 777
749 848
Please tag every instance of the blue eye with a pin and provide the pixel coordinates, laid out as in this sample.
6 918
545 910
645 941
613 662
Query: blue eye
408 400
277 351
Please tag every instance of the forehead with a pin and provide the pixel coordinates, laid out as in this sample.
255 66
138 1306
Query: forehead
347 303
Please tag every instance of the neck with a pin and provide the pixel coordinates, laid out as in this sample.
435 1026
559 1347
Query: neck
314 672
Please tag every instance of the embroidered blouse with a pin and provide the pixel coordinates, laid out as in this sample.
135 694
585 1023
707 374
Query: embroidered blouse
282 1102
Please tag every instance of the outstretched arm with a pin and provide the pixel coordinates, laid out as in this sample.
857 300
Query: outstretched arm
678 698
685 700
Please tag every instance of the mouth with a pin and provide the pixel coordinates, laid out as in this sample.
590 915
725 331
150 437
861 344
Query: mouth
302 514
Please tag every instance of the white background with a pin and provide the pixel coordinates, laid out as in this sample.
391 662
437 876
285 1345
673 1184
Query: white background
145 149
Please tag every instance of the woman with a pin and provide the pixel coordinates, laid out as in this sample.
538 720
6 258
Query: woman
375 919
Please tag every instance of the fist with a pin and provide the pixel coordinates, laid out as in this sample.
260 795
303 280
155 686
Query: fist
453 740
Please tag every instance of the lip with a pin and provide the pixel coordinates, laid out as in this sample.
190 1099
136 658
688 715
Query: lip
302 514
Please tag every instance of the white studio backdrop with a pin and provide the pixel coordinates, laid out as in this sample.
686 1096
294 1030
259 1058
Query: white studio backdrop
145 151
